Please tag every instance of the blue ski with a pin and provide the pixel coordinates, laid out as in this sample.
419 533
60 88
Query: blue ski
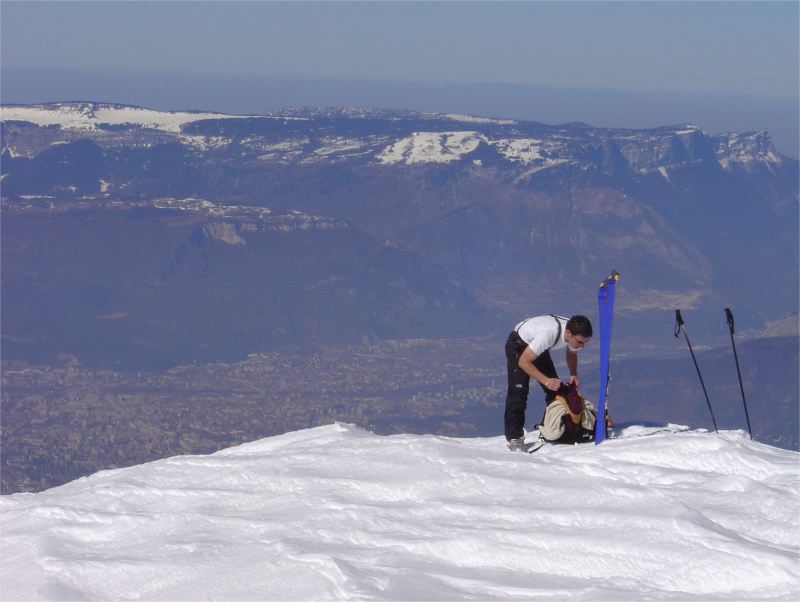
605 303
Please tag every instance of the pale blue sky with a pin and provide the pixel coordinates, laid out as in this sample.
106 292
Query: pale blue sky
718 58
739 47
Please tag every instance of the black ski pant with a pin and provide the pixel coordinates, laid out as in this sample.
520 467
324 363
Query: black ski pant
519 384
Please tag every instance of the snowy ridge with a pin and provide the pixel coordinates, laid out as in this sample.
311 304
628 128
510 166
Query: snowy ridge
340 513
88 116
364 136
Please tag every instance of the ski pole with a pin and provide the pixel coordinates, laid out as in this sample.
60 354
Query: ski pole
729 316
678 327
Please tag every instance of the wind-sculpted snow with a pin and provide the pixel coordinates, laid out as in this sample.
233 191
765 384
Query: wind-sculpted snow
339 513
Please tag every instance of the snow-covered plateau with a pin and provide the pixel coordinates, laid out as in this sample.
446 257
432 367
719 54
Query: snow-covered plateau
337 512
87 116
382 137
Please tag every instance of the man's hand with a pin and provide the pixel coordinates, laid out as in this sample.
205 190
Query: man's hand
574 379
553 384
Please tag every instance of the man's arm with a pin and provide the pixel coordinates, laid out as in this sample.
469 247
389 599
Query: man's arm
526 360
572 364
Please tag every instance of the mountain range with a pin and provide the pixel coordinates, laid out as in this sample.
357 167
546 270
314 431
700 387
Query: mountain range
139 238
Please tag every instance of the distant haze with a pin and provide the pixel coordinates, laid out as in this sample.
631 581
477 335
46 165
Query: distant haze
723 66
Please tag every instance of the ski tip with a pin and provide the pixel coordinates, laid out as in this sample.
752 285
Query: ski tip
613 277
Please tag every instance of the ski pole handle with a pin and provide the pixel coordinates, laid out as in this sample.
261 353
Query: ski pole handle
678 322
729 316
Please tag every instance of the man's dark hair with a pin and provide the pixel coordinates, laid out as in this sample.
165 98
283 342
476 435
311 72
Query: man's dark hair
580 325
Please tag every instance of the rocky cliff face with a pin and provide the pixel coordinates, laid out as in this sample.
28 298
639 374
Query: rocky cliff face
487 217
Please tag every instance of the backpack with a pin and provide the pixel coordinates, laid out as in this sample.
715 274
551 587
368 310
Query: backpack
569 418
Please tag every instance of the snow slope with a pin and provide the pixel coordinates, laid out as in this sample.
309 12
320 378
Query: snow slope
340 513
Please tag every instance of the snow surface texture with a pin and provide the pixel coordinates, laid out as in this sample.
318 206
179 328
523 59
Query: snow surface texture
340 513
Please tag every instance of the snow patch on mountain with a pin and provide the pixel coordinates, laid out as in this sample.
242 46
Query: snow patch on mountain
336 512
289 149
523 150
205 143
431 147
476 119
747 151
14 153
339 148
445 147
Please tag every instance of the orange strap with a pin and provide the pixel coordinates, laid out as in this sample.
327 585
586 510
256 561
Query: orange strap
576 418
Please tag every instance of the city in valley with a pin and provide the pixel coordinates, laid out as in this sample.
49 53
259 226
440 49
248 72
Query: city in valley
60 423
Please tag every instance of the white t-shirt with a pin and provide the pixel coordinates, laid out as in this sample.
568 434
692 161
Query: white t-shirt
540 333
